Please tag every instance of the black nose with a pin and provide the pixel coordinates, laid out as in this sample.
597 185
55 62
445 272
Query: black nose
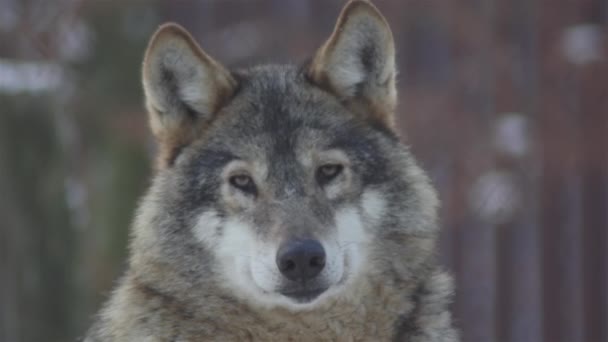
301 260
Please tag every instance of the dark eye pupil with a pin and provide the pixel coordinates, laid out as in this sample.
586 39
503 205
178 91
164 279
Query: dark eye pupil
243 183
242 180
328 172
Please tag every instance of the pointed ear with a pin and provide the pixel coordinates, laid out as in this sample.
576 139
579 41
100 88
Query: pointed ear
184 88
357 63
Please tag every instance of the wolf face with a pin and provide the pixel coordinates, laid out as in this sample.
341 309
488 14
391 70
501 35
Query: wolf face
285 186
294 209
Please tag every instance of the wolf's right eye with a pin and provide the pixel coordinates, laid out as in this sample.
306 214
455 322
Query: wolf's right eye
244 183
326 173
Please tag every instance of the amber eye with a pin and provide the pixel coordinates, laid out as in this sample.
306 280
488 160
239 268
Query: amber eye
244 183
326 173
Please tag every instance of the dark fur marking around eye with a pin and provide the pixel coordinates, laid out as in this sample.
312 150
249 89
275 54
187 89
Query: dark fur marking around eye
212 160
365 153
202 171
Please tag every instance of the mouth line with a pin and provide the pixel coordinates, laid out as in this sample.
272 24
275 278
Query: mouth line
304 296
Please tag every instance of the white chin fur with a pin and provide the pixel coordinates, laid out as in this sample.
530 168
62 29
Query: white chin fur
248 264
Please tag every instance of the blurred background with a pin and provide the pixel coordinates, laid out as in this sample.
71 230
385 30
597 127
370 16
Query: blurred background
505 103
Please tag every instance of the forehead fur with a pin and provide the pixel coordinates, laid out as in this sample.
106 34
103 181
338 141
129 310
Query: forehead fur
277 113
281 101
283 98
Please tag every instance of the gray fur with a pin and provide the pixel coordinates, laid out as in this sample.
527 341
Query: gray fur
272 119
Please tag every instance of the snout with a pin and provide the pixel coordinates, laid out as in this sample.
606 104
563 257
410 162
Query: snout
300 259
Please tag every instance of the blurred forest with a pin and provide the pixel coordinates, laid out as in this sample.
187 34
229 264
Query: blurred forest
505 103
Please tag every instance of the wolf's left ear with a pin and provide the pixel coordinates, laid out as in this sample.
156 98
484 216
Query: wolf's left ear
184 88
357 63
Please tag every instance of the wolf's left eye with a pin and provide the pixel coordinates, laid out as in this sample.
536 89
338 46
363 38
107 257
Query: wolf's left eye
326 173
244 183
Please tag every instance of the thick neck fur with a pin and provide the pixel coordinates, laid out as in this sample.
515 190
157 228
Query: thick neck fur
372 311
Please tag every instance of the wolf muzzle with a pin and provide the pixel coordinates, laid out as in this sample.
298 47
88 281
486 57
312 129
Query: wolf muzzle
301 259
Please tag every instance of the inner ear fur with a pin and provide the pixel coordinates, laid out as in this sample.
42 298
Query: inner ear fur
183 86
357 63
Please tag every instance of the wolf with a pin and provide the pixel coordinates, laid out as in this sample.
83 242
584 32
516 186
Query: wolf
284 206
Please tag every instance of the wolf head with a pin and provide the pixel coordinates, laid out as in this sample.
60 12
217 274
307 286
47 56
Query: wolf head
280 185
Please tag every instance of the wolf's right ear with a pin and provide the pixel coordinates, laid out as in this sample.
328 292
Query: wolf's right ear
183 86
